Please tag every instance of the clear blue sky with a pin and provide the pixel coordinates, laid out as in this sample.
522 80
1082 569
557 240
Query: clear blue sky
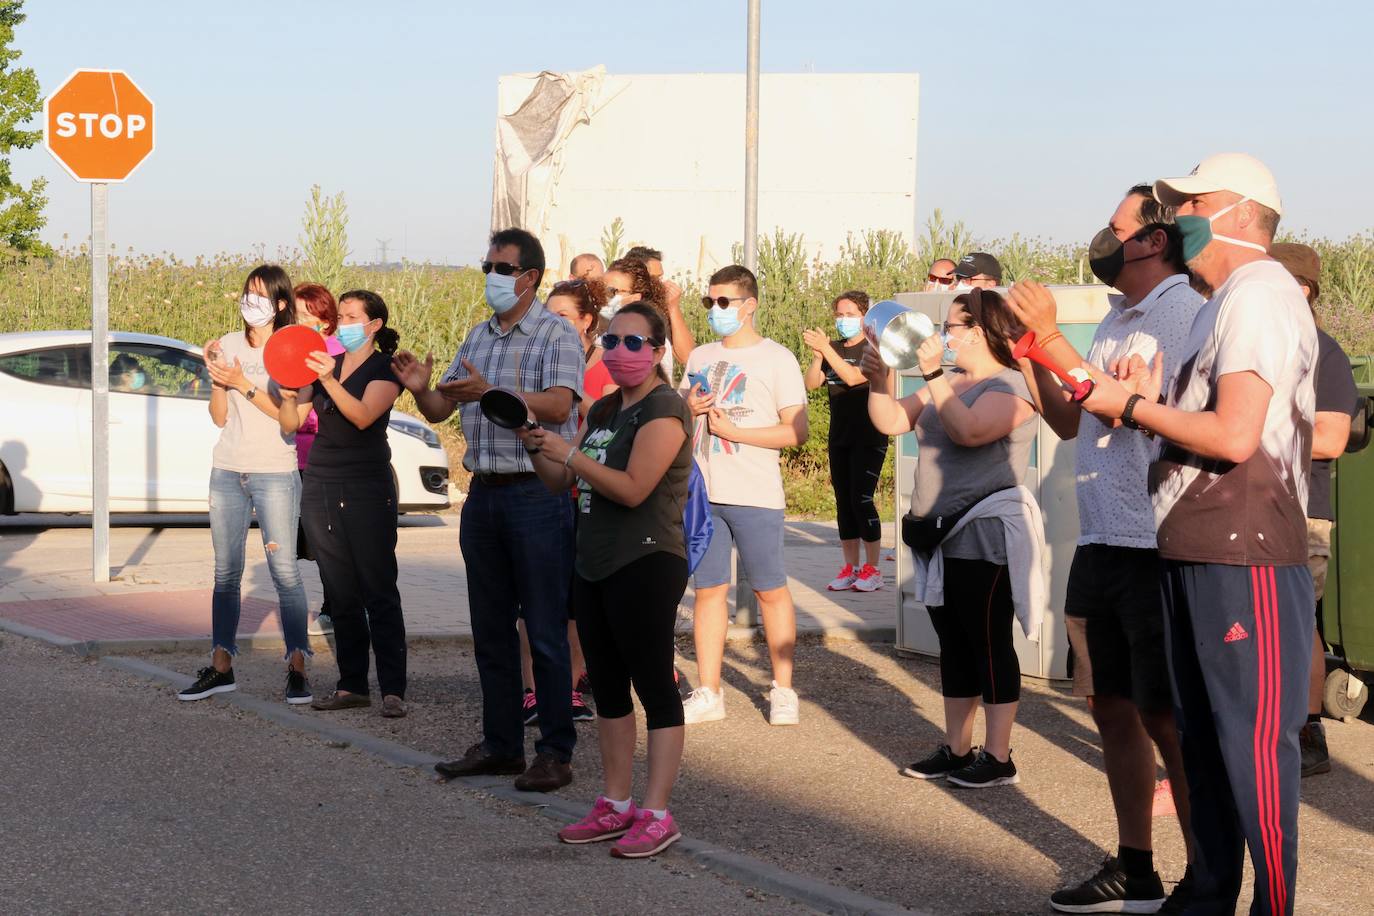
1033 116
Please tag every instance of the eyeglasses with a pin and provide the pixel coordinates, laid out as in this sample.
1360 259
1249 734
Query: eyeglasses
946 327
501 268
618 292
633 342
722 301
943 281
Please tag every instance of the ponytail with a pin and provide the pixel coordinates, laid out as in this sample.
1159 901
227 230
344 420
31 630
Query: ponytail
387 340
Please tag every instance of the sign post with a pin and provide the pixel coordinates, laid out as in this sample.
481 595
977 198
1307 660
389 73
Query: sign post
99 125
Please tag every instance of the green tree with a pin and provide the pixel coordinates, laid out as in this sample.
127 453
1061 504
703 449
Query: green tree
21 208
324 238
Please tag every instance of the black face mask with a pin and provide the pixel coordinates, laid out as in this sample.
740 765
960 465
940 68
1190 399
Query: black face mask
1107 256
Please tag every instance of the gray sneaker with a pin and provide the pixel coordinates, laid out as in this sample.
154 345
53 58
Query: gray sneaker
321 625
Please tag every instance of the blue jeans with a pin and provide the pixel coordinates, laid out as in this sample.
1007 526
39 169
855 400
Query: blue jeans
276 498
517 543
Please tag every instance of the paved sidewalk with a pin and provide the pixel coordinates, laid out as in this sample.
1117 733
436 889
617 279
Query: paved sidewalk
162 573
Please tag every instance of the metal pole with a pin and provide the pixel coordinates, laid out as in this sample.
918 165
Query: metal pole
100 386
746 607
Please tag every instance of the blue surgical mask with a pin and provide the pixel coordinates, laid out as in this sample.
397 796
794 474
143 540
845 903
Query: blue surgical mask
501 295
351 336
724 321
1197 232
849 326
138 380
948 357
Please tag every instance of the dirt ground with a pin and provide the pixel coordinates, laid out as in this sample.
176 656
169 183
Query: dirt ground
826 799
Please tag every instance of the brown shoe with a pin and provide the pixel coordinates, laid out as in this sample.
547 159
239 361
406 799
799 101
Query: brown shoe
338 700
544 775
393 707
477 761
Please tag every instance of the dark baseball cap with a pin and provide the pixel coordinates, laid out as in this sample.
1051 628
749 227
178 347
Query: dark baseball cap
977 262
1302 261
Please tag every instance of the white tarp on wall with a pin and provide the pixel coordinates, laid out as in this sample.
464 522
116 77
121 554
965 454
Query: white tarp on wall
665 154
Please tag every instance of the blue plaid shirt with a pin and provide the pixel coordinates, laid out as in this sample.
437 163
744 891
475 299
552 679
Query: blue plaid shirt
540 352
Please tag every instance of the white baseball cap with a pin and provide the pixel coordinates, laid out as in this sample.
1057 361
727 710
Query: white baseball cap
1236 172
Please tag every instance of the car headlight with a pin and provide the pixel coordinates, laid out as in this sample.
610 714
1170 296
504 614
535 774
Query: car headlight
418 430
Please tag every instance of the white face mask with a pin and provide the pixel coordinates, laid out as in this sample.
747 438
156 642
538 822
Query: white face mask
963 286
609 310
1241 243
257 310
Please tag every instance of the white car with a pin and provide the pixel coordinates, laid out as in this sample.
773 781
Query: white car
161 435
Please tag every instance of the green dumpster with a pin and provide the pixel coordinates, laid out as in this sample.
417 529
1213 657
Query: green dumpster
1348 608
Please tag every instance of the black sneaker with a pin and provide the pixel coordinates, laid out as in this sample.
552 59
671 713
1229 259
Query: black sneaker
208 683
1111 890
531 707
297 687
1182 896
1316 759
580 711
939 764
584 683
985 772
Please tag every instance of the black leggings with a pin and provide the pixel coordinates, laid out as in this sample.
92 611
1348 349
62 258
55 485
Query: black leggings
626 622
854 472
977 657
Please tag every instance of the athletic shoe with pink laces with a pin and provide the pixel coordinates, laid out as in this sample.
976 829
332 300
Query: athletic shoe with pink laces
844 581
647 836
603 822
869 579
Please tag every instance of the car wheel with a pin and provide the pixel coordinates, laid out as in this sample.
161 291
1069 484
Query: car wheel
396 488
6 492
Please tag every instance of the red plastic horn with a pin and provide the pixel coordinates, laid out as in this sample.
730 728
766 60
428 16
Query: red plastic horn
1027 346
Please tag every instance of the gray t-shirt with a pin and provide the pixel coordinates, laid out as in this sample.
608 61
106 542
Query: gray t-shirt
251 441
611 535
951 477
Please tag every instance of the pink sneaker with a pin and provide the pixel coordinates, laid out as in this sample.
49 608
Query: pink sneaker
870 579
844 581
648 836
603 822
1163 805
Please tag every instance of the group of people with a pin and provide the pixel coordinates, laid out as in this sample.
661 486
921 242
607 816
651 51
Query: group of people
1190 598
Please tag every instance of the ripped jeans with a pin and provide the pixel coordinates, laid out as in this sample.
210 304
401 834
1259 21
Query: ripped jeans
277 499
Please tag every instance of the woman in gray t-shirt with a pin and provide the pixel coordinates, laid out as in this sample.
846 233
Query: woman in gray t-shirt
974 424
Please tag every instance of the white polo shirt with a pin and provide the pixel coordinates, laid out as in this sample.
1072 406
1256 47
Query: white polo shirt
1112 465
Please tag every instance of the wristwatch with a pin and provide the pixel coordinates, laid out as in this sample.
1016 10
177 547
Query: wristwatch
934 375
251 392
1128 415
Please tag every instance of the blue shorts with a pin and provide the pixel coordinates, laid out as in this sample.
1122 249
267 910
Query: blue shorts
758 534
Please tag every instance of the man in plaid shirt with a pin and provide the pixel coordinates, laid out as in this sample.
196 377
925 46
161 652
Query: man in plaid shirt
516 536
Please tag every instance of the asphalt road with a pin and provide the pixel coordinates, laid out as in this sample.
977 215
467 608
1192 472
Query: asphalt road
119 799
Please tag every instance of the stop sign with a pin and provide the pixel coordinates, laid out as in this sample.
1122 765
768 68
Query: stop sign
99 125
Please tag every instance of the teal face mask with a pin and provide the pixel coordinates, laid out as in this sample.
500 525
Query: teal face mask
849 326
724 321
1197 233
137 380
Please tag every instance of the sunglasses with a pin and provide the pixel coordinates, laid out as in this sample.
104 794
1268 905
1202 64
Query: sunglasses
567 284
722 301
943 281
633 342
501 268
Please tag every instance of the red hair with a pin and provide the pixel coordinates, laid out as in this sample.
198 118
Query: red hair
319 302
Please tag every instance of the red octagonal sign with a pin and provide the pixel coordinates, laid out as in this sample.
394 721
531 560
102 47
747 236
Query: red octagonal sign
99 125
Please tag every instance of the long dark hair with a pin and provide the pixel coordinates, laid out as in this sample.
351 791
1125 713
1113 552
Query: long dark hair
989 311
658 327
387 339
278 286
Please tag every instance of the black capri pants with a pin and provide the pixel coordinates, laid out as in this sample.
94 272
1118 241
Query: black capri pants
626 622
854 473
977 657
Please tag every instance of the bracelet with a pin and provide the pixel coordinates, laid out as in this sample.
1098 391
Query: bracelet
567 462
1055 336
1127 415
934 375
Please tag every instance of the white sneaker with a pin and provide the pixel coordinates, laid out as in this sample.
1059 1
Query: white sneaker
783 707
703 705
869 579
844 581
320 626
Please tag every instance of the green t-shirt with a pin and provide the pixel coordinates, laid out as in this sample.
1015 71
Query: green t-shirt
609 534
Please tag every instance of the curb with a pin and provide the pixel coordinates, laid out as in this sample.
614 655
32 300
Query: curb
826 898
260 643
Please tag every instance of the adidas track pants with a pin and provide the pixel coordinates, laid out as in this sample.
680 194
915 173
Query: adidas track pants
1239 641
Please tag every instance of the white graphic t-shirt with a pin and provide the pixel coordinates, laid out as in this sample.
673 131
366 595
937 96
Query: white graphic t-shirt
251 441
1253 513
752 385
